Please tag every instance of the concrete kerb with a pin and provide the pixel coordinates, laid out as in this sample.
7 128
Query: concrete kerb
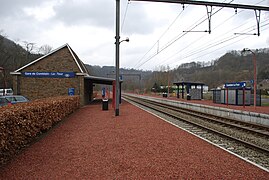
245 116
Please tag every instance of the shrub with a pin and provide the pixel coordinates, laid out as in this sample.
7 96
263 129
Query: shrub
20 124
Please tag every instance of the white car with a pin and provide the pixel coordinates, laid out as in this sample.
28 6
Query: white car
6 92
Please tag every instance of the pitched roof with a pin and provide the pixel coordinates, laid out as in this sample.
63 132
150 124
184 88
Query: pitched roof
79 63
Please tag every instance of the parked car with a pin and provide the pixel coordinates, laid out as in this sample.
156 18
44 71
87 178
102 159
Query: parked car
6 92
3 101
16 99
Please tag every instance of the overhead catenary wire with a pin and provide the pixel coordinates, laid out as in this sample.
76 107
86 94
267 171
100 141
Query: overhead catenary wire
243 37
235 39
178 37
190 44
157 42
124 16
175 39
206 19
205 47
215 44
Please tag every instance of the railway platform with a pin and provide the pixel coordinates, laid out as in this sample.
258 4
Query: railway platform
258 109
94 144
259 115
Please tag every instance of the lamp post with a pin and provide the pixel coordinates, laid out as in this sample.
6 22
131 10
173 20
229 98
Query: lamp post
117 43
168 83
255 73
117 111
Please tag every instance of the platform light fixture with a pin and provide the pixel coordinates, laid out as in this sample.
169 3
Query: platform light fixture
127 40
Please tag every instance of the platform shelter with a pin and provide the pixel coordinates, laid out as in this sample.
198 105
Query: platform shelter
235 93
191 88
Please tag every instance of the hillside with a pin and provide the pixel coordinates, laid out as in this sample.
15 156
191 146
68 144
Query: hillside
12 56
231 67
133 79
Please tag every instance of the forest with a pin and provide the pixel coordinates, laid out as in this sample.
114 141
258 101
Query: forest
231 67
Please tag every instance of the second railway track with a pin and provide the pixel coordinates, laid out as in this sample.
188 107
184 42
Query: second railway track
247 140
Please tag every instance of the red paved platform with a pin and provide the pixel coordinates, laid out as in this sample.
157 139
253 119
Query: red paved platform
94 144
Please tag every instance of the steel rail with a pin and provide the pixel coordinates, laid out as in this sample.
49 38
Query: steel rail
164 111
214 118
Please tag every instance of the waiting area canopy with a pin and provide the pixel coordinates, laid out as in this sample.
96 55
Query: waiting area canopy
90 80
188 86
100 80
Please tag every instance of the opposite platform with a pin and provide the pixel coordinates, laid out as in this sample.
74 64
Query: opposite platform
94 144
259 115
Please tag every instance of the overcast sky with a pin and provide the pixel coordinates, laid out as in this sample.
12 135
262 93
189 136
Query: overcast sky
155 30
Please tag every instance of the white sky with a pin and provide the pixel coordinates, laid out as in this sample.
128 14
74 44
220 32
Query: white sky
88 26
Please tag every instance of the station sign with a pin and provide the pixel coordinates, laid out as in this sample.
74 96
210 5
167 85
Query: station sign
235 85
71 91
49 74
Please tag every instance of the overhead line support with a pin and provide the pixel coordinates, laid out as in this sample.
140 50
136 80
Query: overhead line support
206 3
258 19
217 4
209 14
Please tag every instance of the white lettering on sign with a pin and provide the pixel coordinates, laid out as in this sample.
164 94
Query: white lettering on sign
42 74
49 74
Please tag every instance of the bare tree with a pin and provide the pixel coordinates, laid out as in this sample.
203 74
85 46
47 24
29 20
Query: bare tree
45 49
2 33
28 46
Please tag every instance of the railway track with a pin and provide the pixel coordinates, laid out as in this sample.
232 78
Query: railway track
247 140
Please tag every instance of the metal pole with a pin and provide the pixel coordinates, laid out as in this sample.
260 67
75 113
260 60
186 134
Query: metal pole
168 84
244 97
254 74
227 94
117 111
255 78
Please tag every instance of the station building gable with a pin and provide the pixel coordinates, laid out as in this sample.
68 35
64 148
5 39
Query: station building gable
51 75
61 59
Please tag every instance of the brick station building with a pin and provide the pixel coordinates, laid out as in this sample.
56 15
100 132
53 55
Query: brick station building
58 73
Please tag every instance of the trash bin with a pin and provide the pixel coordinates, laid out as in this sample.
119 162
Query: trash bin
164 94
188 97
105 104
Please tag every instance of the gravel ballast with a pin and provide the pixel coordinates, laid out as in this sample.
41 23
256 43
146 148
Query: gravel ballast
94 144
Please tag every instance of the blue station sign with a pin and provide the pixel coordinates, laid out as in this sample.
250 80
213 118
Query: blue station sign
49 74
71 91
235 85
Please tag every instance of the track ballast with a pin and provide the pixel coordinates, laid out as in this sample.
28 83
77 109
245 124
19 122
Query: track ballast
247 140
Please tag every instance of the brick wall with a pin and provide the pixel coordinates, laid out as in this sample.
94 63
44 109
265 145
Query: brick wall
60 61
35 88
